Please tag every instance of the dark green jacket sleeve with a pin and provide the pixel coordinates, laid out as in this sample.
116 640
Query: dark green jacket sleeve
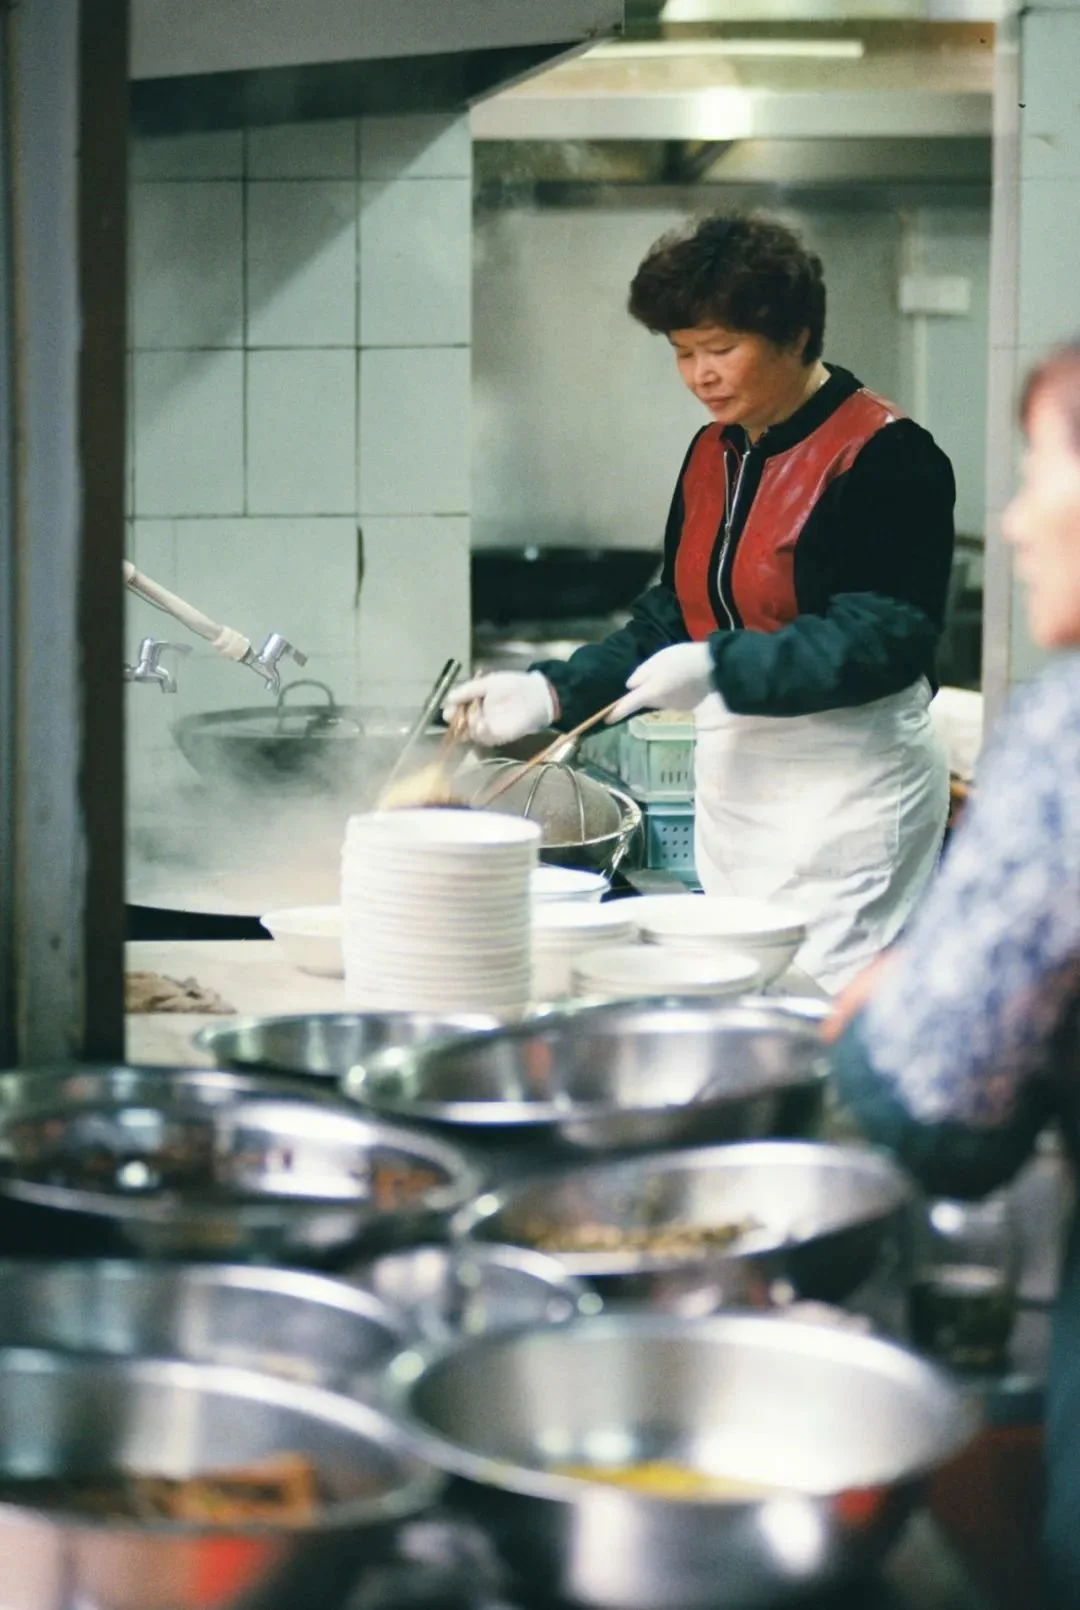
863 647
595 675
947 1158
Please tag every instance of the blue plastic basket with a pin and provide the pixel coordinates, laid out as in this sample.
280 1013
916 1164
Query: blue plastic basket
669 837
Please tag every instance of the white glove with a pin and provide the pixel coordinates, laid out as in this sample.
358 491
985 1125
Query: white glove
677 678
504 705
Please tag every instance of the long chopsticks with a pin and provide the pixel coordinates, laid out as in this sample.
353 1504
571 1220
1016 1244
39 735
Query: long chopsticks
440 688
547 753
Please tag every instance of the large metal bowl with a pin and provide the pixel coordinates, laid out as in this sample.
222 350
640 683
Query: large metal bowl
202 1164
325 1045
67 1417
844 1425
284 1322
820 1216
622 1076
447 1291
290 748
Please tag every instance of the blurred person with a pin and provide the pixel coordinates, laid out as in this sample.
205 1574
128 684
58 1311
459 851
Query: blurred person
963 1042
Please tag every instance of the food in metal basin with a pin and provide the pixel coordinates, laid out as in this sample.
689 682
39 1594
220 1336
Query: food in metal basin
283 1490
665 1240
667 1478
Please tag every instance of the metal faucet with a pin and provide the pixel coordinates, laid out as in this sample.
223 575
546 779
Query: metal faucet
265 662
147 667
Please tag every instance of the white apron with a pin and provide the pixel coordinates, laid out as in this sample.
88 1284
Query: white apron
839 815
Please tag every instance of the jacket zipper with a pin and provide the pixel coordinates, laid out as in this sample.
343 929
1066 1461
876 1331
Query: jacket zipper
731 503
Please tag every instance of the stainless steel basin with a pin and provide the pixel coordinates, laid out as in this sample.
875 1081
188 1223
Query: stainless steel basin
623 1076
65 1417
325 1045
820 1217
209 1165
446 1291
843 1427
304 1327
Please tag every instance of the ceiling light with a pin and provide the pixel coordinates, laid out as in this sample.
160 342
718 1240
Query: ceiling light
670 49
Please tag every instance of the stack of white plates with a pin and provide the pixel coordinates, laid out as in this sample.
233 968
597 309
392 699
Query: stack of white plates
622 971
562 929
436 910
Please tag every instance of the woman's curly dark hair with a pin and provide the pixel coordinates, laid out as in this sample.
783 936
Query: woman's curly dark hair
743 271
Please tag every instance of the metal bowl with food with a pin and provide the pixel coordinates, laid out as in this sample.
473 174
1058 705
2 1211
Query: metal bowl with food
135 1484
204 1164
693 1231
446 1291
288 1322
325 1045
640 1462
618 1076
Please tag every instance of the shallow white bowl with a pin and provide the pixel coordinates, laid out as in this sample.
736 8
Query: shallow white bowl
622 971
309 936
770 933
564 884
562 929
579 922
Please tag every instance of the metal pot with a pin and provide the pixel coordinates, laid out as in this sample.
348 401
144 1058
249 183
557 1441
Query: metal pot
820 1216
284 1322
844 1426
320 746
622 1076
73 1417
471 1291
201 1164
325 1045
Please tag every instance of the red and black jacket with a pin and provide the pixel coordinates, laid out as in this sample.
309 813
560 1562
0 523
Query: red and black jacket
815 561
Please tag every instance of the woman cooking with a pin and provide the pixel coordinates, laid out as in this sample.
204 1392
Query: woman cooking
806 564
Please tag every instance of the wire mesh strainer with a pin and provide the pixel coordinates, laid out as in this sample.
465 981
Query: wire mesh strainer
570 808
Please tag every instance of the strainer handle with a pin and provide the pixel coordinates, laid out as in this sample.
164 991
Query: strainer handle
557 751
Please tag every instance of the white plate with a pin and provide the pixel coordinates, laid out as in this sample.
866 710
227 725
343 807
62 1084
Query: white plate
444 831
309 936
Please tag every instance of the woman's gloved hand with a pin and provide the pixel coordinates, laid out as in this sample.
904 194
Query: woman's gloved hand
504 706
677 678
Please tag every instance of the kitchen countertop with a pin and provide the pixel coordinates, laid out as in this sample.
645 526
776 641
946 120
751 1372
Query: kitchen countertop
249 974
252 976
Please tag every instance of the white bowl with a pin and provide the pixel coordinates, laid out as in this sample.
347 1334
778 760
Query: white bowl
310 937
562 884
623 971
770 933
581 922
562 929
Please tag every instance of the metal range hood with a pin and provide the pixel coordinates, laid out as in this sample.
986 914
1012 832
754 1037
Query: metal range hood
717 90
198 64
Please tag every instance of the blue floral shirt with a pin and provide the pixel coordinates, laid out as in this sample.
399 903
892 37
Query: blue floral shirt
989 966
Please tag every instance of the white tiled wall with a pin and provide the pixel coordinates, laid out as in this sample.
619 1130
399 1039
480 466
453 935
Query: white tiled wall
300 384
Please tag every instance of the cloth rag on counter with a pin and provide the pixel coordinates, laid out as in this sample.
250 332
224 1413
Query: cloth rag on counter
154 992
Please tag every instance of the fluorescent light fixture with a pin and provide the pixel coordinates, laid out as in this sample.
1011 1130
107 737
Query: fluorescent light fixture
673 49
